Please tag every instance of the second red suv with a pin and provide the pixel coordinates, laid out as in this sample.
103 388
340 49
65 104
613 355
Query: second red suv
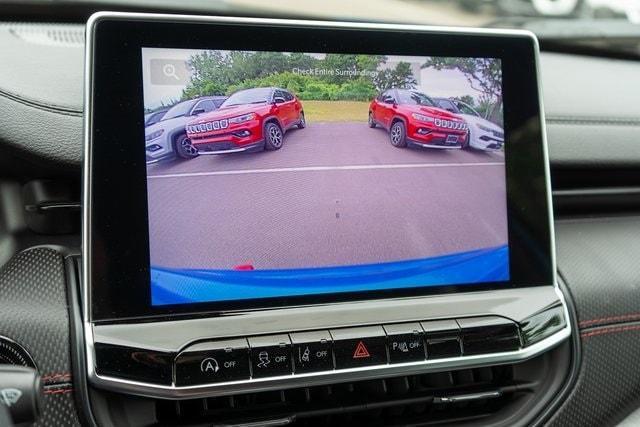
411 117
249 120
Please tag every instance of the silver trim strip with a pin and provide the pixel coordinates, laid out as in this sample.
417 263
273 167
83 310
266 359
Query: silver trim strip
294 380
231 150
320 378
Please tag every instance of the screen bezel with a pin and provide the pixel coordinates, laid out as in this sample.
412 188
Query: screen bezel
116 238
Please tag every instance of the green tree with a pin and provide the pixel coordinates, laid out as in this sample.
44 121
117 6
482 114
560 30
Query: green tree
483 74
400 77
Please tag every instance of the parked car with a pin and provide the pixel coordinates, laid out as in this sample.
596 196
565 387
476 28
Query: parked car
250 120
483 134
411 117
154 117
168 138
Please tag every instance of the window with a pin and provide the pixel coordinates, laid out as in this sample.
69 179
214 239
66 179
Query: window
466 109
447 105
287 96
388 97
206 105
413 97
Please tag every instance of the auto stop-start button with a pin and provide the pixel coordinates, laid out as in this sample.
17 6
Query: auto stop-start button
213 362
357 347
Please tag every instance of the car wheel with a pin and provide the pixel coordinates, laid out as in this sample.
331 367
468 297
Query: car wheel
466 144
273 137
184 148
372 122
398 135
302 123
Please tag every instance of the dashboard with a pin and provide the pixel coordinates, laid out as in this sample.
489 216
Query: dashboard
500 355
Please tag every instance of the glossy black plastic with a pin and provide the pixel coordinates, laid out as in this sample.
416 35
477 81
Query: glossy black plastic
482 335
119 239
442 338
133 363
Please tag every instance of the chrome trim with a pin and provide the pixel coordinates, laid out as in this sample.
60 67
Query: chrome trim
328 377
232 150
303 379
468 397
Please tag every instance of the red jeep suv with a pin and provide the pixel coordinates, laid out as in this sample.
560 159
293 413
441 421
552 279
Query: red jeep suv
249 120
411 117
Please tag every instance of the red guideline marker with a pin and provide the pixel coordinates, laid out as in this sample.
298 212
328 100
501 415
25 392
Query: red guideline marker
361 351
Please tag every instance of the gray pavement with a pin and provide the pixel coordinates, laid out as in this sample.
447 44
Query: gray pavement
335 194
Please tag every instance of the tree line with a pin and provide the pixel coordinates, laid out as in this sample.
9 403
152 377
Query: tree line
340 76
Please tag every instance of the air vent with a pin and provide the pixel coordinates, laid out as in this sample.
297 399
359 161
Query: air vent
427 399
68 35
593 191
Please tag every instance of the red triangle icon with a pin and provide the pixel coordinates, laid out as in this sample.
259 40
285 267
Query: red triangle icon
361 351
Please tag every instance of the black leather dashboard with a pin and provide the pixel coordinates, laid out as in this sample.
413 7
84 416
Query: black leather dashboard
593 122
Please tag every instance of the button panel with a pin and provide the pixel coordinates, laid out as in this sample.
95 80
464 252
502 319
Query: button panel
270 356
212 362
482 335
405 342
300 353
442 338
312 351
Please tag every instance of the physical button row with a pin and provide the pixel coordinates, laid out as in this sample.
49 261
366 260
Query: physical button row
316 351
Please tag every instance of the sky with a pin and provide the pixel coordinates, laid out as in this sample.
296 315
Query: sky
443 83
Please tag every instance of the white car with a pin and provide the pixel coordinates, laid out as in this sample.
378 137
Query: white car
483 134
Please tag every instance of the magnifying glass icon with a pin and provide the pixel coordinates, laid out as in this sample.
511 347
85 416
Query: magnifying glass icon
169 70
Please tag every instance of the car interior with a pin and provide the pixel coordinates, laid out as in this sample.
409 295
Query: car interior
364 213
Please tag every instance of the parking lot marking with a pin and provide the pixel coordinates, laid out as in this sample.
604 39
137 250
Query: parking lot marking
324 168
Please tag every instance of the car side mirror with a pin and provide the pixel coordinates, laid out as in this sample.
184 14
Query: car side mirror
278 100
197 111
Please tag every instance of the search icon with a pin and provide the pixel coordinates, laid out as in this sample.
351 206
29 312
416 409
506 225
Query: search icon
169 70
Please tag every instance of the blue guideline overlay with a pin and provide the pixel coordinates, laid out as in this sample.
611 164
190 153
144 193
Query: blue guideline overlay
183 286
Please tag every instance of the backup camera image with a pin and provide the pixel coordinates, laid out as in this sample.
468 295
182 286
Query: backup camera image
275 174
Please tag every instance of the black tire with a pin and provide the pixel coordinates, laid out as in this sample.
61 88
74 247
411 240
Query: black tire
273 137
466 144
184 149
398 135
303 122
371 122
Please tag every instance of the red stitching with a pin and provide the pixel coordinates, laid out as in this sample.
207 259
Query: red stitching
610 331
53 376
630 316
61 391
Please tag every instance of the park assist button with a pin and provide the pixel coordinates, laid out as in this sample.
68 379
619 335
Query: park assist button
312 351
357 347
405 342
270 356
213 362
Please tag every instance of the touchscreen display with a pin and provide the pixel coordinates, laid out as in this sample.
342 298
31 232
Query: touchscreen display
279 174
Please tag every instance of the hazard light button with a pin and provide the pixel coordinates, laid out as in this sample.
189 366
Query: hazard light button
356 347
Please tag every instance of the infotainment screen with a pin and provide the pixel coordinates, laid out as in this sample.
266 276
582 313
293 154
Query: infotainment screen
234 165
282 174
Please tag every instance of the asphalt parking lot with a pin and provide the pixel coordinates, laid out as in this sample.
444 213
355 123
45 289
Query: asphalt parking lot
335 194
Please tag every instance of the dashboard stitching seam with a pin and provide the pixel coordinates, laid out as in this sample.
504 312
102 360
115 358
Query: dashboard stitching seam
601 320
609 330
592 121
51 108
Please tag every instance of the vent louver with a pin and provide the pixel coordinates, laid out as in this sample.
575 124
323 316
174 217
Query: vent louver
427 399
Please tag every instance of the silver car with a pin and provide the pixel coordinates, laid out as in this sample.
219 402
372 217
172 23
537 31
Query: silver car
168 138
